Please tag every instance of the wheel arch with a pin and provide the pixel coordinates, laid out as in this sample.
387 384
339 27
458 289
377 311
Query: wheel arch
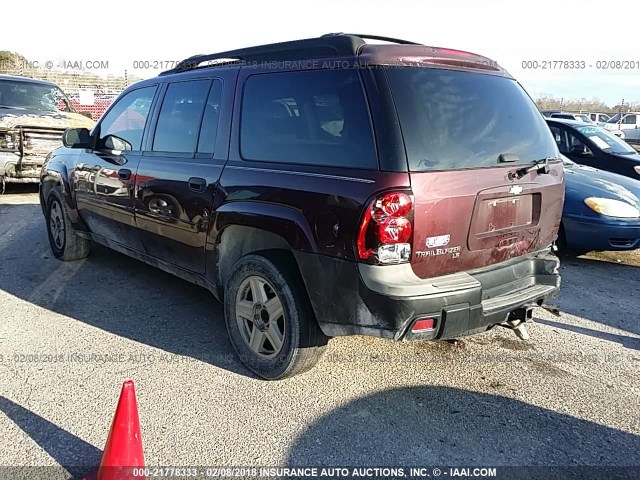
56 176
237 241
246 227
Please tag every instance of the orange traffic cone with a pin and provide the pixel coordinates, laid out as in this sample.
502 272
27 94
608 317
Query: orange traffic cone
123 450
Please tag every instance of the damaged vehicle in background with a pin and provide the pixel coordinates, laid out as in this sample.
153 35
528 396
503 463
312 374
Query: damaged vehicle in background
33 116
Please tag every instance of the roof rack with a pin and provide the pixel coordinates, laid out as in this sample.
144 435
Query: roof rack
321 47
365 36
326 46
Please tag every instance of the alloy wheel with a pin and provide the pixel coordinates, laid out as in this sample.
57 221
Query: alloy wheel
260 317
56 224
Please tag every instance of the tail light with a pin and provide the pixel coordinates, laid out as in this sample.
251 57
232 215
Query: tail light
385 230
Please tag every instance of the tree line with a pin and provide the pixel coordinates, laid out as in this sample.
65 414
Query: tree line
583 104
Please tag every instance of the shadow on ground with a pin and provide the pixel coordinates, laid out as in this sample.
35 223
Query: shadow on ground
112 292
600 291
74 454
448 426
19 188
628 342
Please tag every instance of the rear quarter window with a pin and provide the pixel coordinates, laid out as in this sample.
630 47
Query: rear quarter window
455 120
315 117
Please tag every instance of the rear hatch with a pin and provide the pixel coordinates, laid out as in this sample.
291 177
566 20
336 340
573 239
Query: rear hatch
465 132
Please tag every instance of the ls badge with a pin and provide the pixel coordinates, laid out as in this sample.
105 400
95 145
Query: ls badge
439 241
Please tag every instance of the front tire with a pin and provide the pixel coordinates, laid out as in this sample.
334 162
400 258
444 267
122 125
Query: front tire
65 243
269 318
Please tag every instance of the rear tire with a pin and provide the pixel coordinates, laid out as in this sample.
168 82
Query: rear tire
269 318
66 244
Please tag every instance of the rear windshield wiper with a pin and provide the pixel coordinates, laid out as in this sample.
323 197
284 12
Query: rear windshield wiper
541 166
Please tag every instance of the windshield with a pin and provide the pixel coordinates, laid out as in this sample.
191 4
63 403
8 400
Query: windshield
33 96
606 141
453 120
584 118
615 119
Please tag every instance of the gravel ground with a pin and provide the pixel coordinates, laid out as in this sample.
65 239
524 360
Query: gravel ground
71 333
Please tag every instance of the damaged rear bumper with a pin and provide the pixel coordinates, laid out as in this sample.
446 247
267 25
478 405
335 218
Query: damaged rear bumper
387 301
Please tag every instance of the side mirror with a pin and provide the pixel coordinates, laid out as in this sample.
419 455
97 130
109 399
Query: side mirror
111 142
76 138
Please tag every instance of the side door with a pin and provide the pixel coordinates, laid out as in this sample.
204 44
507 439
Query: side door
302 157
560 136
575 146
178 174
629 122
598 154
103 178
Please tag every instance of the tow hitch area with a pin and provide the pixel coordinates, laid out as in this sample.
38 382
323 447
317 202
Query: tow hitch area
516 321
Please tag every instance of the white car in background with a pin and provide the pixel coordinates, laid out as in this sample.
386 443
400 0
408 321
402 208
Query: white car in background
625 126
600 118
578 117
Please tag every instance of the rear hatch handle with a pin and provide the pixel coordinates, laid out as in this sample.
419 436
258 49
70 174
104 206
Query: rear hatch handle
540 166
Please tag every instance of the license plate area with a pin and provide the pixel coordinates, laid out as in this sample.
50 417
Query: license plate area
500 214
501 221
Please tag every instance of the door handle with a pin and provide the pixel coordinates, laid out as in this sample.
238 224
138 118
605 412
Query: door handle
197 184
124 174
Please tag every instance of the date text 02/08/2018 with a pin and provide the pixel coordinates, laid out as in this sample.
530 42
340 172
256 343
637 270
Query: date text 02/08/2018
580 64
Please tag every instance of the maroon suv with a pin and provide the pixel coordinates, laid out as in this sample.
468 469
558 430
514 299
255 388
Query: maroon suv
324 187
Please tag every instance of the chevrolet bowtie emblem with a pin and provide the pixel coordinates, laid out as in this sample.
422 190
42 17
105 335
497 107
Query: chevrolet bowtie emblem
515 189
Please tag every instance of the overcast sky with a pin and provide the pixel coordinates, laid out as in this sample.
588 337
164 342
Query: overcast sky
508 31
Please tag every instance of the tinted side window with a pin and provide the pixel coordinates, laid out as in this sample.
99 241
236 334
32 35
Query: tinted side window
560 139
128 116
209 128
575 142
309 117
180 116
629 119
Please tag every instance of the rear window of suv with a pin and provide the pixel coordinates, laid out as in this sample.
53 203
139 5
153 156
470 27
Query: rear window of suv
315 117
454 120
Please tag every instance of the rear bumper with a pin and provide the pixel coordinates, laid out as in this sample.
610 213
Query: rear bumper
601 233
385 301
